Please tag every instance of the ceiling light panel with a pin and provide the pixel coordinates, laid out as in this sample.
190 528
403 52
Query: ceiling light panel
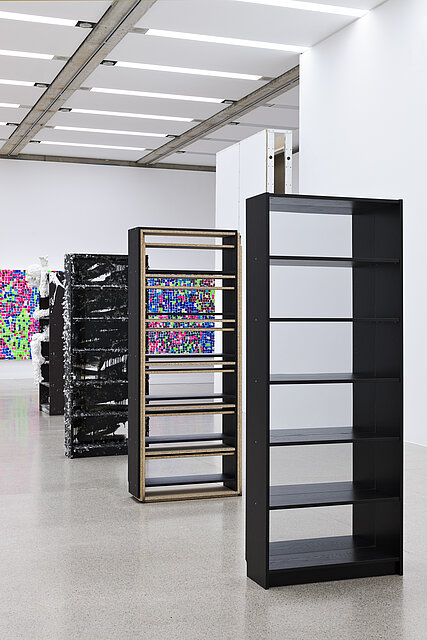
83 152
90 11
19 94
153 94
29 68
111 131
13 113
186 70
43 38
94 121
244 21
25 54
190 54
100 137
240 42
131 114
9 105
90 145
317 7
132 104
176 84
25 17
16 83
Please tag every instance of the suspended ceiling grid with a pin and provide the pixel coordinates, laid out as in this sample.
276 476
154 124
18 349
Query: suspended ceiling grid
226 18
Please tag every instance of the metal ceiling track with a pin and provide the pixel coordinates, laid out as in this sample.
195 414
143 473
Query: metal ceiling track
113 163
257 98
119 19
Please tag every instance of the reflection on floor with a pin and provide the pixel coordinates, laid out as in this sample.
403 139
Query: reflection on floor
80 559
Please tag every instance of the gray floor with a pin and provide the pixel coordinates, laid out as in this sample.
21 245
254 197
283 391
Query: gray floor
80 559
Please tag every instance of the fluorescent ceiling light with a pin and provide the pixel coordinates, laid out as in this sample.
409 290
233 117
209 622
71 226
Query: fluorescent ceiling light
3 124
9 105
18 83
312 6
95 146
220 40
124 114
115 131
26 17
25 54
150 94
196 72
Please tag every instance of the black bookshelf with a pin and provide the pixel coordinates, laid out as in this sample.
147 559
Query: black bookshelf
144 367
376 491
51 388
95 355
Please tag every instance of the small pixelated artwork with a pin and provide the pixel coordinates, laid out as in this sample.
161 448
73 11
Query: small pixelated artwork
17 305
170 304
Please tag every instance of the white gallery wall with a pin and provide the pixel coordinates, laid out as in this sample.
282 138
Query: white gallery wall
50 208
364 133
56 208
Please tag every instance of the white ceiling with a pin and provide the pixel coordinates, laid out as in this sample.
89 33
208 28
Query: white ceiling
227 18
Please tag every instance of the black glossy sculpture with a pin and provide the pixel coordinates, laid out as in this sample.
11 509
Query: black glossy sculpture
95 355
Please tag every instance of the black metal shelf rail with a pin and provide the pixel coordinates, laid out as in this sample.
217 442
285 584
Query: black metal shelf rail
142 365
96 390
376 435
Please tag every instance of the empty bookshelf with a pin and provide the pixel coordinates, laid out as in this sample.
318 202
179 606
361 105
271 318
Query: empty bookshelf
372 378
184 327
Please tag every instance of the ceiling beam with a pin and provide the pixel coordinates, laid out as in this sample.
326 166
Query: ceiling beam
113 163
278 86
117 21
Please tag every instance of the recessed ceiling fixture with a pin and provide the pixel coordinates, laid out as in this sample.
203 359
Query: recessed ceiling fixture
25 54
84 24
95 146
221 40
17 83
26 17
195 72
3 124
150 94
312 6
114 131
125 114
9 105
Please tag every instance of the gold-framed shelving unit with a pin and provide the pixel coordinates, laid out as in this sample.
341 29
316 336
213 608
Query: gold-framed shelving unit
145 369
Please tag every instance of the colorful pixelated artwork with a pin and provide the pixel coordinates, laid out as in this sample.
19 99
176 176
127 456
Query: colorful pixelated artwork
17 305
168 304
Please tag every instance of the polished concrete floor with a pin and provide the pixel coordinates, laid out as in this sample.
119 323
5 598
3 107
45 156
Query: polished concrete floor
80 559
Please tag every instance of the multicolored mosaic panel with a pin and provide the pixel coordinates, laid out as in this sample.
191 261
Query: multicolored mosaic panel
169 303
17 305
